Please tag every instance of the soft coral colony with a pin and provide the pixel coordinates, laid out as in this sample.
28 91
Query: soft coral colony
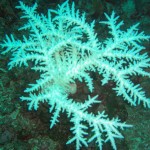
64 48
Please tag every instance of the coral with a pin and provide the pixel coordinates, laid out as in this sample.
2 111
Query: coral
128 7
64 48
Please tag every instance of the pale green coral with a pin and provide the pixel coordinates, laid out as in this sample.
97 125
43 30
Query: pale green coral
64 48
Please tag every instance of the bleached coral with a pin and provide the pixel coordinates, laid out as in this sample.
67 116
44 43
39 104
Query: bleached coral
64 48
